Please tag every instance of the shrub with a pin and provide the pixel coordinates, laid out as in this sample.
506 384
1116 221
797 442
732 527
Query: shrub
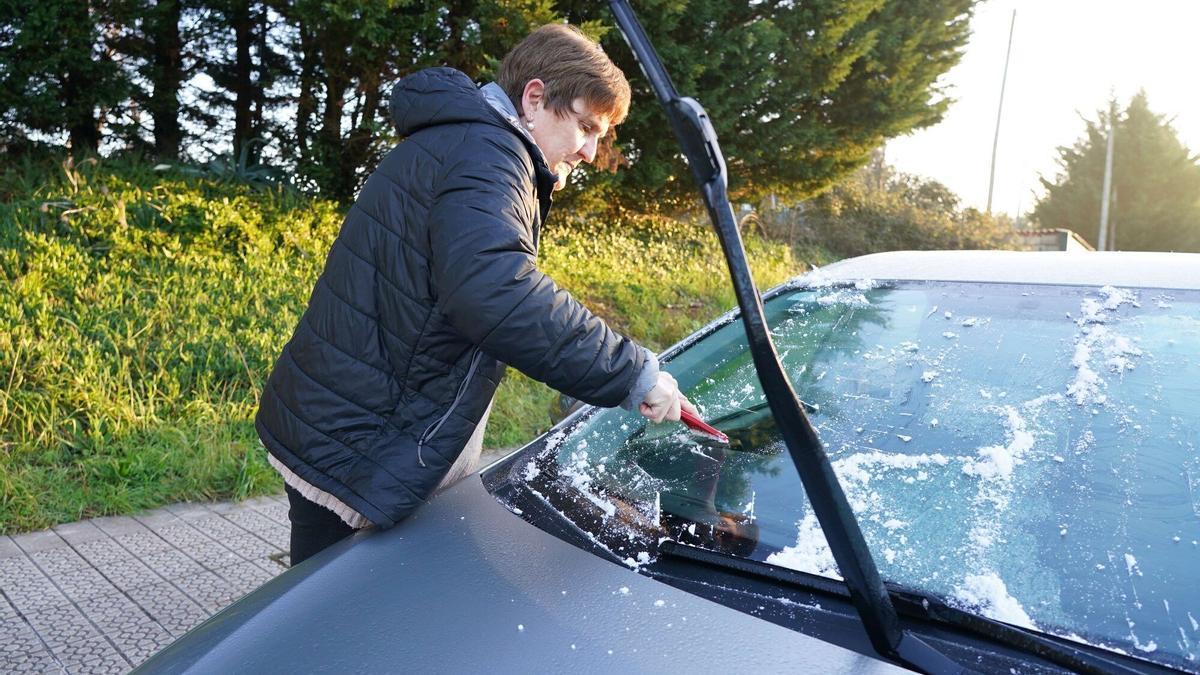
880 210
141 311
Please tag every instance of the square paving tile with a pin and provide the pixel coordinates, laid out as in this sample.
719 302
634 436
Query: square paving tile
213 555
16 567
162 599
8 547
172 564
184 536
141 543
39 541
209 590
254 522
81 656
258 502
6 609
110 664
115 525
84 583
58 560
217 527
225 508
137 642
40 661
108 611
250 547
276 512
279 537
128 573
33 593
61 625
190 511
180 621
17 637
245 577
80 532
101 551
156 518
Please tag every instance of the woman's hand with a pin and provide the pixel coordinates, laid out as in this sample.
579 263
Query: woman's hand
663 402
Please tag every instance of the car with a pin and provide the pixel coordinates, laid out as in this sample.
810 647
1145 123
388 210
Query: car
1015 432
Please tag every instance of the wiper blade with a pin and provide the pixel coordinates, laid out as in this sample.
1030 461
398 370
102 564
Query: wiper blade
912 604
699 143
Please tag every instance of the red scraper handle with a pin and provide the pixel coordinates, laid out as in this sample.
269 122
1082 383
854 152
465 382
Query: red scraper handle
700 425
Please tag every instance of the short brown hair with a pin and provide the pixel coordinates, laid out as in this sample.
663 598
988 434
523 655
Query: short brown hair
572 66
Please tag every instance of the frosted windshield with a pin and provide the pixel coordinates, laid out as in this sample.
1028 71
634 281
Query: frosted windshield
1026 452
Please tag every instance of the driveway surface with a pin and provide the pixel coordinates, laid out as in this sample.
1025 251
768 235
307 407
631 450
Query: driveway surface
102 595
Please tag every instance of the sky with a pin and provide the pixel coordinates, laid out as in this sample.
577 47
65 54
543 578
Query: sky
1068 58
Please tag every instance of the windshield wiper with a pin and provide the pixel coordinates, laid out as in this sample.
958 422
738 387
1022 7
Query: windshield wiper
911 603
867 592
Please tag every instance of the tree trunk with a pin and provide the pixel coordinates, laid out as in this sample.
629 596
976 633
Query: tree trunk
243 91
167 55
332 152
259 90
83 128
306 104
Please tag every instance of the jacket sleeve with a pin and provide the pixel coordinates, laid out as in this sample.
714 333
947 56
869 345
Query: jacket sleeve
491 291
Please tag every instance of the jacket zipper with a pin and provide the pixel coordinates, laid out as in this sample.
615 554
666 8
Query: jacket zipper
432 429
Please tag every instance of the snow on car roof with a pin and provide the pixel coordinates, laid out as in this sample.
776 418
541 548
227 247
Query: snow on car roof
1138 269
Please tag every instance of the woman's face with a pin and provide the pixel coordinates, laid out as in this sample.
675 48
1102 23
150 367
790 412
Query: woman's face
565 138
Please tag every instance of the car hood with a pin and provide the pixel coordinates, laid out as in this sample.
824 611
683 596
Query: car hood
467 585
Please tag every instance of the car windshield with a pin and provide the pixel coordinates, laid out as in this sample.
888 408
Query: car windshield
1027 452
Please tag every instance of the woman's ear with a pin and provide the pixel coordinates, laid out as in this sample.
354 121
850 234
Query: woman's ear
533 97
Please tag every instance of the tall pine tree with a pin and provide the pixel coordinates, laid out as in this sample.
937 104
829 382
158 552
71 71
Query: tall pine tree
1155 204
244 66
58 76
157 53
800 92
347 55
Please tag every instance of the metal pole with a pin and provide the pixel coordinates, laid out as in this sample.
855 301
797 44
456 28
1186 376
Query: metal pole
1000 109
1108 179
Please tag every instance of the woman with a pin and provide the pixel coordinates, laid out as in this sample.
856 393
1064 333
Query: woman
382 393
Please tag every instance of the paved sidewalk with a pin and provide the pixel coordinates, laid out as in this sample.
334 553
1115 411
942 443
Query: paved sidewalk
102 595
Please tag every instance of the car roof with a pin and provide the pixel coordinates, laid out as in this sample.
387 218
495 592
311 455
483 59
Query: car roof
1127 269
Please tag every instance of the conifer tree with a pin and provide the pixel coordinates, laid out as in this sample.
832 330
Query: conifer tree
1155 203
800 92
57 74
158 56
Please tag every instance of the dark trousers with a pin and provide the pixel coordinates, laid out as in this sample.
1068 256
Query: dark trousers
314 527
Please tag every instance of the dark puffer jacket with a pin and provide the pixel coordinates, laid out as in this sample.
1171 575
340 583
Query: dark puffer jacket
429 289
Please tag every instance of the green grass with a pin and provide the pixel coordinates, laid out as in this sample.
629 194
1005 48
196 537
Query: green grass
140 314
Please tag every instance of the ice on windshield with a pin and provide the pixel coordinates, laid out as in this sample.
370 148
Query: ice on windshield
1024 452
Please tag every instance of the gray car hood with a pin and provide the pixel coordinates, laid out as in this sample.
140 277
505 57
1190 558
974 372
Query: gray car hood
465 585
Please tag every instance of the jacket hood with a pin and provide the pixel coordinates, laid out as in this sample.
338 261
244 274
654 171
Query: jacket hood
438 96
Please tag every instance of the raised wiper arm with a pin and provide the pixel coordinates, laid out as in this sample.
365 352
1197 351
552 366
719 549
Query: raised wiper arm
867 592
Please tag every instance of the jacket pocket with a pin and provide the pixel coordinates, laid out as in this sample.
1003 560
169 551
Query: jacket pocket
433 428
